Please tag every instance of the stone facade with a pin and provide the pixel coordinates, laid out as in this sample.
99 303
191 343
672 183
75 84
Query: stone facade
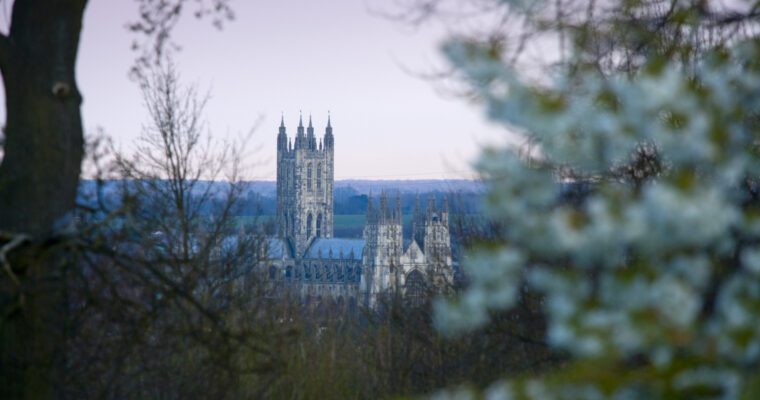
307 257
304 186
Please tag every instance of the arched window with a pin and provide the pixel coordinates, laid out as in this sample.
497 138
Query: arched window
319 225
308 176
416 289
306 273
358 276
287 223
288 273
272 272
349 273
339 273
352 305
328 274
319 176
308 226
341 304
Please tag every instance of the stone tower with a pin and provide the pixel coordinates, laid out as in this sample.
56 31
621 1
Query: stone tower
431 232
304 185
436 242
383 235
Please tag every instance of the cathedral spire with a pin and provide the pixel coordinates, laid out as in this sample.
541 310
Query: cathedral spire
282 138
311 140
383 205
300 140
329 140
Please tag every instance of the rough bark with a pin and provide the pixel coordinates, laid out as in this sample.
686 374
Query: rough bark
39 176
43 133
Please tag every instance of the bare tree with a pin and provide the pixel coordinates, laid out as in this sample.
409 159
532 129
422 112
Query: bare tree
167 297
43 148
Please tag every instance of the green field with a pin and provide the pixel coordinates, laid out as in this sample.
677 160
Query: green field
349 221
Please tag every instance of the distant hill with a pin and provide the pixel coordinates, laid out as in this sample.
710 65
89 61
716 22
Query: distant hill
412 186
269 188
350 196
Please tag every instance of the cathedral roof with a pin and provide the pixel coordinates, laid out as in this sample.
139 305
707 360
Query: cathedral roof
336 248
277 248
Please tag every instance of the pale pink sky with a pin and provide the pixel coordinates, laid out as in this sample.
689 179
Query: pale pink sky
289 55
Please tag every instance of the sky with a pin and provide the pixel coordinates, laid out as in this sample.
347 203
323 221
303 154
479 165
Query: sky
279 57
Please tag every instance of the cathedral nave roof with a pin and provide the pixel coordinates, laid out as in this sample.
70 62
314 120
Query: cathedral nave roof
336 248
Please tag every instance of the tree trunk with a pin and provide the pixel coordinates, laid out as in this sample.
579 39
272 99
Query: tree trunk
43 133
39 177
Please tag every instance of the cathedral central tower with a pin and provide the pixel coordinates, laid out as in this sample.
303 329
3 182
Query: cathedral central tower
304 185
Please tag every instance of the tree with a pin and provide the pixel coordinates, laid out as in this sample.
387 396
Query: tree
651 287
43 149
169 296
580 35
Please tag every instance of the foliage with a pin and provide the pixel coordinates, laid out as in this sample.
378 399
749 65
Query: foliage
604 36
652 285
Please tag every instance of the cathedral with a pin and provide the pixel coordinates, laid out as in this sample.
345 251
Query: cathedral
307 257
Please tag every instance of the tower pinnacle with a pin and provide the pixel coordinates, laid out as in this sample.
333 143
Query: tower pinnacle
282 138
329 140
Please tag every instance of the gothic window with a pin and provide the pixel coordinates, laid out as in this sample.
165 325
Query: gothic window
288 273
319 224
328 274
341 304
319 176
317 273
358 274
308 177
306 273
352 305
416 289
308 226
349 273
272 272
338 273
